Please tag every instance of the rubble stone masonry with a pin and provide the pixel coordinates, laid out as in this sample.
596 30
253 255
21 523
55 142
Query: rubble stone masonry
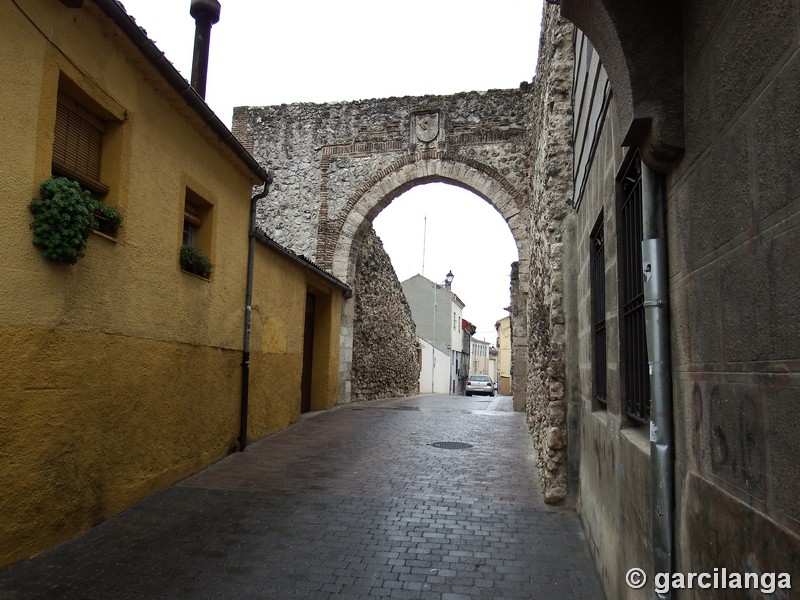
385 363
550 125
324 156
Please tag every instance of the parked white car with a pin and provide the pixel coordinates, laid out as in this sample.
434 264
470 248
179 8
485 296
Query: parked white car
480 384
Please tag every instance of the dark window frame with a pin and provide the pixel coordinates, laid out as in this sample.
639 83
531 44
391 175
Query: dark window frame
598 304
633 342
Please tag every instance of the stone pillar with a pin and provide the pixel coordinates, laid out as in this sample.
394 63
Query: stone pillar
519 340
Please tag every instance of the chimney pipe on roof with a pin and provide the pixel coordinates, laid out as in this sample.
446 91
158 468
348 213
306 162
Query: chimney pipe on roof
205 13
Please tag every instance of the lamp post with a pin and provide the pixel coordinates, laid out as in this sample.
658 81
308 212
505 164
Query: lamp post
448 280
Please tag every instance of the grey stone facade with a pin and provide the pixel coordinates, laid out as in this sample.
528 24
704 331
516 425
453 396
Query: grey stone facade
385 349
729 158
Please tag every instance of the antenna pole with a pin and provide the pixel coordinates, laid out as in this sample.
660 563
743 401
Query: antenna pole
424 239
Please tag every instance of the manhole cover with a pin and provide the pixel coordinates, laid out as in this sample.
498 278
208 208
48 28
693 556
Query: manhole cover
451 445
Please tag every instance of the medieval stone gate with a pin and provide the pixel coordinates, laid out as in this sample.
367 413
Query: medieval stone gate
337 166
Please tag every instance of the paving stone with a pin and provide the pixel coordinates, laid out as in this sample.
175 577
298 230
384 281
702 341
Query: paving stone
350 503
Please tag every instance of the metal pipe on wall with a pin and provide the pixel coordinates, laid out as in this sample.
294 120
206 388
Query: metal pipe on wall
248 309
656 306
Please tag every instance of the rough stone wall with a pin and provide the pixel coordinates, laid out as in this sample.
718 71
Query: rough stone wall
550 129
385 348
322 154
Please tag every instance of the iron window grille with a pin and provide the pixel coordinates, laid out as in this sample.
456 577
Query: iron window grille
634 340
598 291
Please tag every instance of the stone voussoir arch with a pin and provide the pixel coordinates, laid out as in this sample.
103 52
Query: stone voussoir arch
338 241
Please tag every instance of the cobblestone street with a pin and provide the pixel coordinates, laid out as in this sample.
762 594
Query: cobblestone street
355 502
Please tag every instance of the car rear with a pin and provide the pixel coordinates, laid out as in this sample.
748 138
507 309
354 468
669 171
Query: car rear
480 384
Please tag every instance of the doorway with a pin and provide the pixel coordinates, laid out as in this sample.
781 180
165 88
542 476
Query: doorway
308 353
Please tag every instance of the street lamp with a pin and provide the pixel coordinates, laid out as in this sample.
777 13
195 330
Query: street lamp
448 280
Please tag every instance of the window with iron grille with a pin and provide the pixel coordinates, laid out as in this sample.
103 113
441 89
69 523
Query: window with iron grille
598 292
634 341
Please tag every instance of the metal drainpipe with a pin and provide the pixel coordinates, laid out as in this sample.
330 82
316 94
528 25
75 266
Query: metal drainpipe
248 309
656 307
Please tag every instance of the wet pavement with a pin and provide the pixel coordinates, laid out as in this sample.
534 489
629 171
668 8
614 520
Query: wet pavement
432 497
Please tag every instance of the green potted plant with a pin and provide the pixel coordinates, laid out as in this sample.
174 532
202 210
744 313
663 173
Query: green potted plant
107 219
193 261
62 219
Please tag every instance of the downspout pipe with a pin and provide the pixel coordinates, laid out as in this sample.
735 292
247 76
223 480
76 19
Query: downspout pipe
248 309
656 309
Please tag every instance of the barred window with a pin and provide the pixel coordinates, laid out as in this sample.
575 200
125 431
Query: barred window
634 341
598 299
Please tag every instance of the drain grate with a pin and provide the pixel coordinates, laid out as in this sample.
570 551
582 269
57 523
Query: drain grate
451 445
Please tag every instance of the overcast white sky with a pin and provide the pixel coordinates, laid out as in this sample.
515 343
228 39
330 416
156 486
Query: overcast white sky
265 53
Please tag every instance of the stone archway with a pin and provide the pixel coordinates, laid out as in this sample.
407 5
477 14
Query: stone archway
402 176
336 166
341 238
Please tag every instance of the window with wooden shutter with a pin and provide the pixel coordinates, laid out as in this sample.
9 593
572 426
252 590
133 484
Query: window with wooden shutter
78 145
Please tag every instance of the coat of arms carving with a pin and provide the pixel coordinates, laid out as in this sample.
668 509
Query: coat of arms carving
426 126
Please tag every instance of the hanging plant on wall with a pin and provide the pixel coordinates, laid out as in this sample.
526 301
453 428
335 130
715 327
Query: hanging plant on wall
64 215
62 219
193 261
107 219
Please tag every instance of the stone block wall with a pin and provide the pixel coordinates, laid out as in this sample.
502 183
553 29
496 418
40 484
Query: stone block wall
733 224
732 233
385 348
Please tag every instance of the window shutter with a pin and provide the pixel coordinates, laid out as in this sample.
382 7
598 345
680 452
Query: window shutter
78 144
190 217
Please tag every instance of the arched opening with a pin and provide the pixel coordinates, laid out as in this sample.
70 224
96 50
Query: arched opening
400 177
436 229
480 183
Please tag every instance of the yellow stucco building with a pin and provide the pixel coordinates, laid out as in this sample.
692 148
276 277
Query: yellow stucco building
122 374
503 327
